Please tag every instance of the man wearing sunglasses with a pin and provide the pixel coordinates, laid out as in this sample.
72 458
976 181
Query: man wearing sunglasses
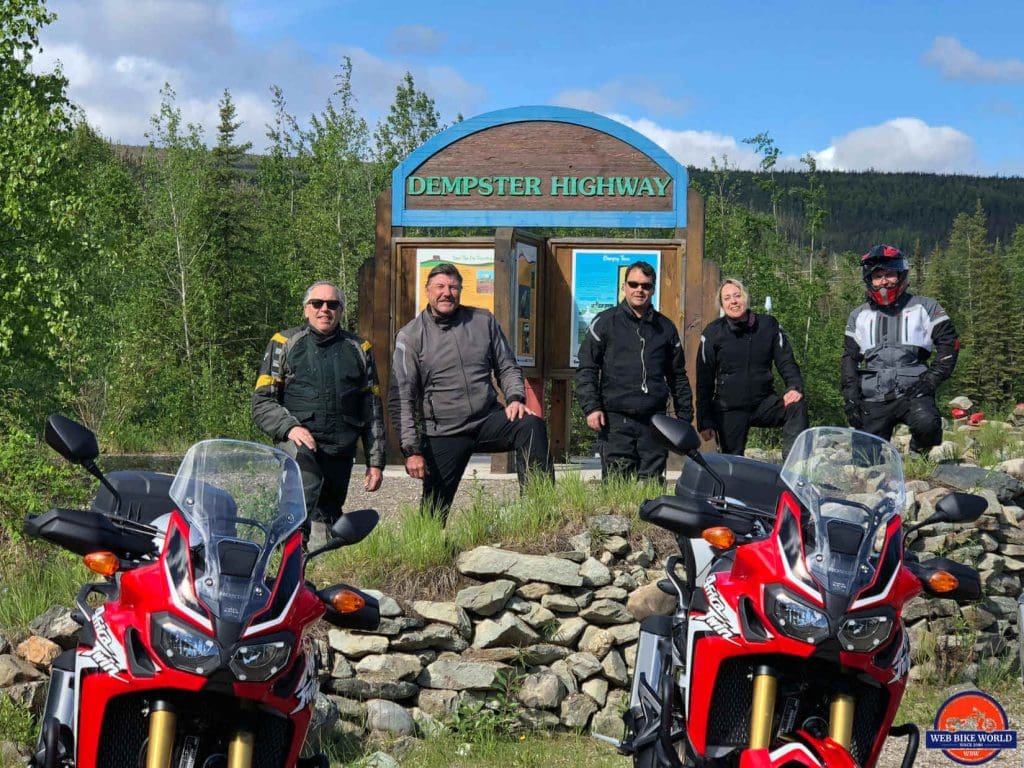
630 363
317 397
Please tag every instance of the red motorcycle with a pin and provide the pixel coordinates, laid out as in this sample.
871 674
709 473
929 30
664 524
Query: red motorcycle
199 656
787 646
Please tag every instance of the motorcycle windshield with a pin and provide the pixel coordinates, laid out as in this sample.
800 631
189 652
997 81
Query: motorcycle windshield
850 485
241 500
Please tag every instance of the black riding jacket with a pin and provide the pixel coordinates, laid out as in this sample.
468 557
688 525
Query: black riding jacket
630 364
734 365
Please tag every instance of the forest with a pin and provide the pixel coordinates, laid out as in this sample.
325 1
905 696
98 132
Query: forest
139 285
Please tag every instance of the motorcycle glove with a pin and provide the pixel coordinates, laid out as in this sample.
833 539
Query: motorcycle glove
854 417
923 387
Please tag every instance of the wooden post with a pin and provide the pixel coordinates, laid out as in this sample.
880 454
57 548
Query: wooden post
503 463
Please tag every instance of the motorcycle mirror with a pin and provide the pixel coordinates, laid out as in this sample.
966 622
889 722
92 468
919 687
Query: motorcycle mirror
676 434
956 507
71 440
78 445
350 528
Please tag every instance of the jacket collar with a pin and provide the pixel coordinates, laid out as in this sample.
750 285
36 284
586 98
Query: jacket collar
646 317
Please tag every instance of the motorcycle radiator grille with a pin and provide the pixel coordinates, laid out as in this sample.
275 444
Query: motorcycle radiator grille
730 703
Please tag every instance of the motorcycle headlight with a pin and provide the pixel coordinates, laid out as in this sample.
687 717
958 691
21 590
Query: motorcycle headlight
865 633
256 662
186 648
799 620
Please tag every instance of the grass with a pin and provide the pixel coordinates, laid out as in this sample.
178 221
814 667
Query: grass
534 750
34 578
413 549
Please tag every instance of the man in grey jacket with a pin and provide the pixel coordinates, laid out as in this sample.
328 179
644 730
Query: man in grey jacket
442 399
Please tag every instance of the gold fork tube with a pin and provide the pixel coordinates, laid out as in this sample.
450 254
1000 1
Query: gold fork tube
162 722
763 708
840 720
240 750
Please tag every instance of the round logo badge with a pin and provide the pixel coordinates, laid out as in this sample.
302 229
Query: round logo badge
971 729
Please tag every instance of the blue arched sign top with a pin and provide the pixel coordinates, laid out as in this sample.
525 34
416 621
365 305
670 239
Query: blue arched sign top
669 181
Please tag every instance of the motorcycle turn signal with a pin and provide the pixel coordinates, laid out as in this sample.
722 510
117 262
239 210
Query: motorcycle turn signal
942 581
347 601
103 563
719 537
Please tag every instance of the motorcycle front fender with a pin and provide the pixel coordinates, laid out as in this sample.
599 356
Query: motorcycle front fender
809 751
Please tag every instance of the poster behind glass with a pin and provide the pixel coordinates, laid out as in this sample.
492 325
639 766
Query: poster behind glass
597 279
476 265
524 294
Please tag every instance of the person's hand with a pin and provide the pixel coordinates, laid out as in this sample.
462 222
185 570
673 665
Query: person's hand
792 396
595 420
854 417
516 410
416 466
302 436
923 387
374 477
707 435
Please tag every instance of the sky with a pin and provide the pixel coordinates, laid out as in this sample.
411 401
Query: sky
931 86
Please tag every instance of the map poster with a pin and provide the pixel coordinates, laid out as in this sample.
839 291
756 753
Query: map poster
524 296
597 279
476 265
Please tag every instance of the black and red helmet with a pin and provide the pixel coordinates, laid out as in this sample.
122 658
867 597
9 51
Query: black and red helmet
884 257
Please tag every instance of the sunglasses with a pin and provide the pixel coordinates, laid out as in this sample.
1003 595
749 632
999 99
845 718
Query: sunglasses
332 304
636 286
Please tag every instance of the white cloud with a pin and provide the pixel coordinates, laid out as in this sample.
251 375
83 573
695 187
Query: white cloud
956 62
696 148
415 39
613 94
901 144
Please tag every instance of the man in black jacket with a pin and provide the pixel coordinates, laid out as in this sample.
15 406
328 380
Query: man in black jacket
630 363
317 396
734 376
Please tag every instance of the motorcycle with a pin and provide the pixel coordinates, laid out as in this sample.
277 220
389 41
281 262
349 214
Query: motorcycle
199 655
786 646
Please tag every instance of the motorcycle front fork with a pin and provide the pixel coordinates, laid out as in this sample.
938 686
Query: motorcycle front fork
840 721
163 721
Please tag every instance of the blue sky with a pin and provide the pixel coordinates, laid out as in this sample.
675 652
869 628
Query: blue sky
929 86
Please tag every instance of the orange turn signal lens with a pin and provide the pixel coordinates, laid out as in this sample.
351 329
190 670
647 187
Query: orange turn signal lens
103 563
719 537
943 581
347 601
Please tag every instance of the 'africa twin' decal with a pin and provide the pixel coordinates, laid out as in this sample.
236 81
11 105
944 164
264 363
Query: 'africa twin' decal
107 653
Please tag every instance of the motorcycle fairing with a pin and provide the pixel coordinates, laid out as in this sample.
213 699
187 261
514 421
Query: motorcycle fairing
808 751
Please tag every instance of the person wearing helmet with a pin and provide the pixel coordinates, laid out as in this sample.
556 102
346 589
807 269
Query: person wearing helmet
887 378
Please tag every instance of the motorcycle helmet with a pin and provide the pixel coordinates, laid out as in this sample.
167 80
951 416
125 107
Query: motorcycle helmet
884 257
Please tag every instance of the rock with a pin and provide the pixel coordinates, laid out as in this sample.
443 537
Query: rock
380 760
568 631
508 629
945 451
965 478
445 613
451 673
440 636
605 612
961 402
597 641
29 695
583 665
398 625
582 542
597 689
617 545
541 690
491 654
389 667
39 651
625 581
560 603
15 670
322 721
643 554
486 599
484 562
388 606
609 720
625 633
341 668
386 716
355 645
438 703
57 625
614 668
595 574
357 688
1013 467
564 672
611 593
349 709
609 525
576 710
535 590
538 617
649 601
426 724
543 654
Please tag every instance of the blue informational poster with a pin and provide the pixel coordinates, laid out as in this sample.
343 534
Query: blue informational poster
597 280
